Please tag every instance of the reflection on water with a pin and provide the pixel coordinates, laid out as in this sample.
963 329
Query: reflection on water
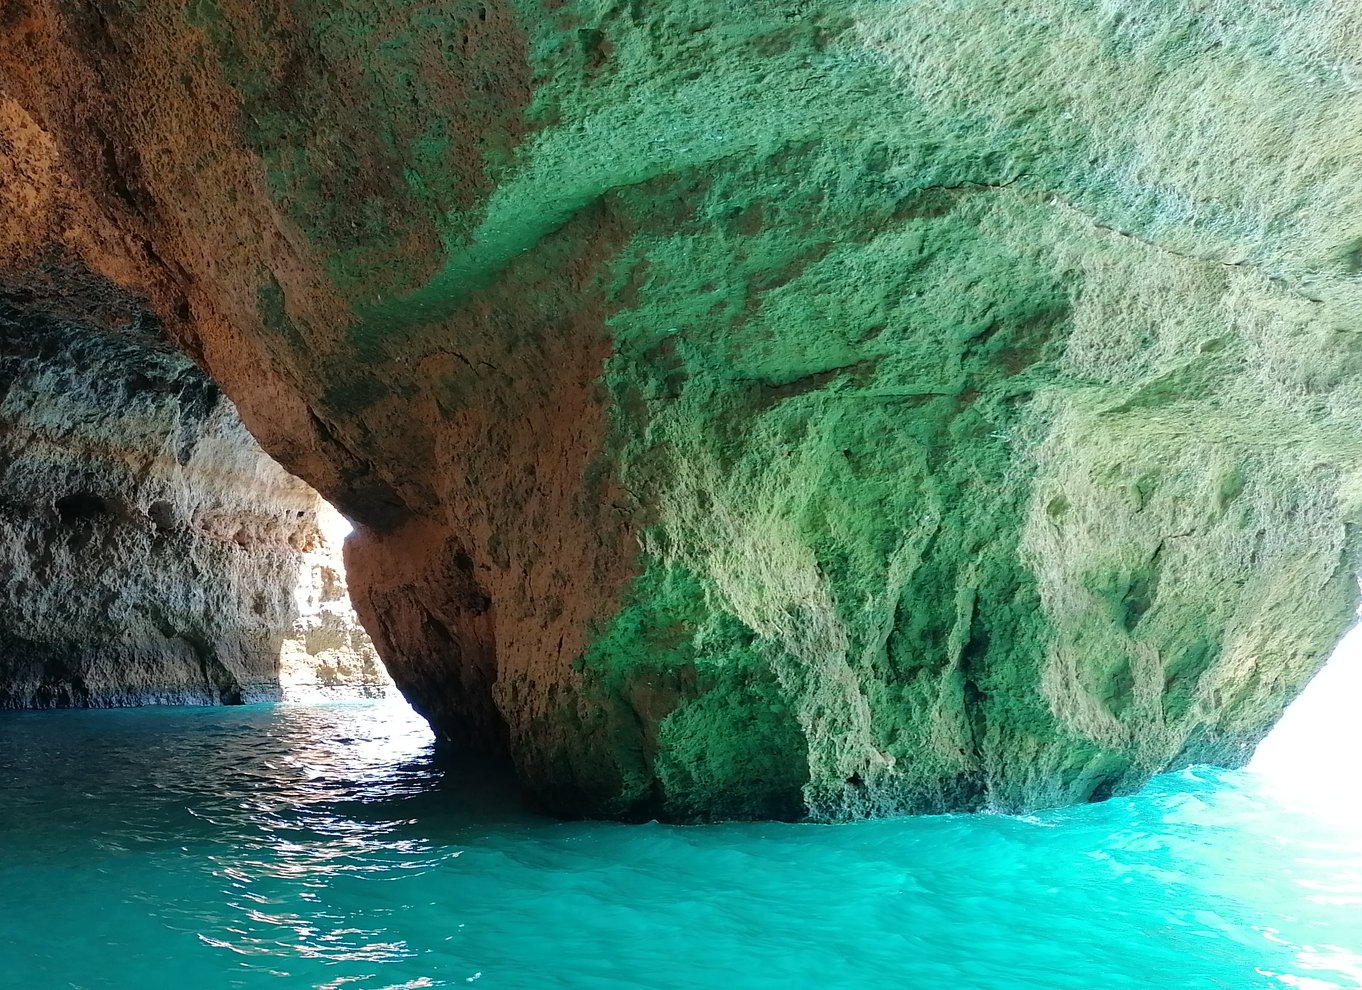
328 847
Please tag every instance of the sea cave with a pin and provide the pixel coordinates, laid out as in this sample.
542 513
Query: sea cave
838 494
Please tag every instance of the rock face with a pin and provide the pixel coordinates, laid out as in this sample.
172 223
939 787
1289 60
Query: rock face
793 408
328 656
150 552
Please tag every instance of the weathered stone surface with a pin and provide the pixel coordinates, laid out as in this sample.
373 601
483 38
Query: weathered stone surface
328 656
765 410
150 552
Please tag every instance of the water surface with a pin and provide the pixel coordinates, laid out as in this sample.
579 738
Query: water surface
290 846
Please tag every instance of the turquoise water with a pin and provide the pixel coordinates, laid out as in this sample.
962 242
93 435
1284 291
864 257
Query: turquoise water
325 847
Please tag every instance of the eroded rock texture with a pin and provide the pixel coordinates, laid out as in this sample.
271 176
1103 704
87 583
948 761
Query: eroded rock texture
765 409
328 656
150 552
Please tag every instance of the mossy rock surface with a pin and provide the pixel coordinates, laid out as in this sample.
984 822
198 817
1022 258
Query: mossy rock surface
826 409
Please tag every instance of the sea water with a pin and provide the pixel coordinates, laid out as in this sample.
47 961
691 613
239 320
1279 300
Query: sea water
327 846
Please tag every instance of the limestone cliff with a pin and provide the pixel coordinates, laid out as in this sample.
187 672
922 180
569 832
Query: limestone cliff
328 656
150 552
764 409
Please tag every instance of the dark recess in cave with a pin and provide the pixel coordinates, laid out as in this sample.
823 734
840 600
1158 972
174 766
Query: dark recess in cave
81 507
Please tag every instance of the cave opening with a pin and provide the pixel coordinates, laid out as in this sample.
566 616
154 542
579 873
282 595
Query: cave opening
1309 757
943 414
80 506
329 656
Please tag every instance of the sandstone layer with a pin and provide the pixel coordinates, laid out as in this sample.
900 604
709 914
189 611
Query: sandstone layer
150 551
769 409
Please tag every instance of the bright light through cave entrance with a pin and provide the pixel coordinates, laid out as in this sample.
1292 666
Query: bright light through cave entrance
1311 756
329 657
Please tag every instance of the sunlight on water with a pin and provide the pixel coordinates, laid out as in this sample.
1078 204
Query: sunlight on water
325 846
1309 762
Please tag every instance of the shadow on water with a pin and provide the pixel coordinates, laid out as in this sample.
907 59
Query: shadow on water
462 790
184 774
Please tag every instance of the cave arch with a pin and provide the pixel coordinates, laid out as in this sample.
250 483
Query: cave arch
752 414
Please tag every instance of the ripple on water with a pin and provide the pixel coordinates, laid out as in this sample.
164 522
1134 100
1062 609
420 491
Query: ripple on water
291 846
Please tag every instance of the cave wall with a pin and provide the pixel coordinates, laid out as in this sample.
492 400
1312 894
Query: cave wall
150 551
148 547
805 408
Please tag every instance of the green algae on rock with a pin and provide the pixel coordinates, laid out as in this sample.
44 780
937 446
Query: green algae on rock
807 409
